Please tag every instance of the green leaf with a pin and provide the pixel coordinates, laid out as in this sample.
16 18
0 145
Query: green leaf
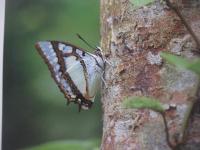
181 62
140 3
67 145
143 102
195 66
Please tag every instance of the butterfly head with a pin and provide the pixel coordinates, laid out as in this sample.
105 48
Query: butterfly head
99 51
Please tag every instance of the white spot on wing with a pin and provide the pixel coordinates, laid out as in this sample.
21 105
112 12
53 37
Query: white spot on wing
67 49
61 46
66 87
79 52
70 61
46 48
50 46
55 60
64 48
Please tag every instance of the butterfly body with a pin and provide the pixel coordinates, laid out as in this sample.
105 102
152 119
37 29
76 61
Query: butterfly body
76 72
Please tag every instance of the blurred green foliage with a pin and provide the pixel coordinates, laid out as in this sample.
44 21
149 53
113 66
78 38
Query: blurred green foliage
140 3
181 62
34 109
67 145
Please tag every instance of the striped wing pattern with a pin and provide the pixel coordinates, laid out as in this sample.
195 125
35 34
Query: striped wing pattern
76 72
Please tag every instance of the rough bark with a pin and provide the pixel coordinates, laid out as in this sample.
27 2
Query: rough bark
132 39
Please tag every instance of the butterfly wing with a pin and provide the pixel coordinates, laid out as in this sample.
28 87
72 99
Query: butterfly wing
75 71
49 54
94 75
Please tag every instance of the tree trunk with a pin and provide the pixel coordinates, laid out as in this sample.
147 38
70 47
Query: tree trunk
132 39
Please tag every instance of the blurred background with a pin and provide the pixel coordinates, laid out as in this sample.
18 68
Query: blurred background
34 109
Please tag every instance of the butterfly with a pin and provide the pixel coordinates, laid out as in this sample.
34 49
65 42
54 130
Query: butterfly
77 73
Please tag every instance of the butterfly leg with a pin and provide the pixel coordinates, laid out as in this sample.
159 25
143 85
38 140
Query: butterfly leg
109 63
102 78
104 81
78 101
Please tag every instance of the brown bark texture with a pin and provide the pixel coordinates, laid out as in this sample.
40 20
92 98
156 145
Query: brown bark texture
132 39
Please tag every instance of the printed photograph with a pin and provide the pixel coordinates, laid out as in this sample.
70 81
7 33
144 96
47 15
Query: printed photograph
101 75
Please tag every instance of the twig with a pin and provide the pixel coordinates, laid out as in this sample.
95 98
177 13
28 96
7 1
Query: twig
188 27
166 130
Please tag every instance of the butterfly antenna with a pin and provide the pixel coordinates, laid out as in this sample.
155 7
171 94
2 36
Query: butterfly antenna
81 38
